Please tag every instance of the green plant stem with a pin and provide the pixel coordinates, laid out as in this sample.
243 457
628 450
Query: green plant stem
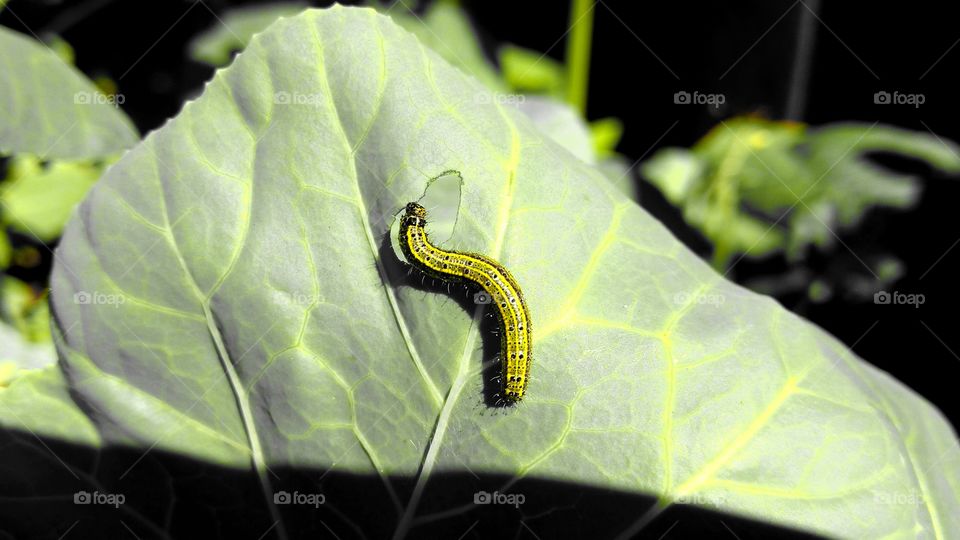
724 189
578 54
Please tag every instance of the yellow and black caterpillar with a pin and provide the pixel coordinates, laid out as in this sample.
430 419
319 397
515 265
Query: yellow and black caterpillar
513 315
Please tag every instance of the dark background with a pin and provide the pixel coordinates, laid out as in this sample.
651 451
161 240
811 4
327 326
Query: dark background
644 52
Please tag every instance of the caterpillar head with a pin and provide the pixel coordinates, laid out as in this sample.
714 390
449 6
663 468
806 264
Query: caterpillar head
415 214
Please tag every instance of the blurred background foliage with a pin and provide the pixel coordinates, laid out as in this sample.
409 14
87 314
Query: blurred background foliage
41 183
756 187
751 186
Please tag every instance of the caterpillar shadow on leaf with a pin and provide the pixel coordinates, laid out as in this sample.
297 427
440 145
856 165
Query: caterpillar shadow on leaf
399 274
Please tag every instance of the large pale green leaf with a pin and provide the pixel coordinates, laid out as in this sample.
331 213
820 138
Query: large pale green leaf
49 108
224 295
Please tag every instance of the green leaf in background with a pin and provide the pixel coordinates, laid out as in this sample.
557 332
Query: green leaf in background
48 108
220 295
38 417
25 309
561 123
606 134
37 198
530 72
35 402
34 398
37 414
62 49
849 280
618 170
446 29
525 73
849 184
6 250
756 186
234 28
18 356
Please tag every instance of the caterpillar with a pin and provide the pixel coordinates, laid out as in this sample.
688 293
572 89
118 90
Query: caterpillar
513 314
